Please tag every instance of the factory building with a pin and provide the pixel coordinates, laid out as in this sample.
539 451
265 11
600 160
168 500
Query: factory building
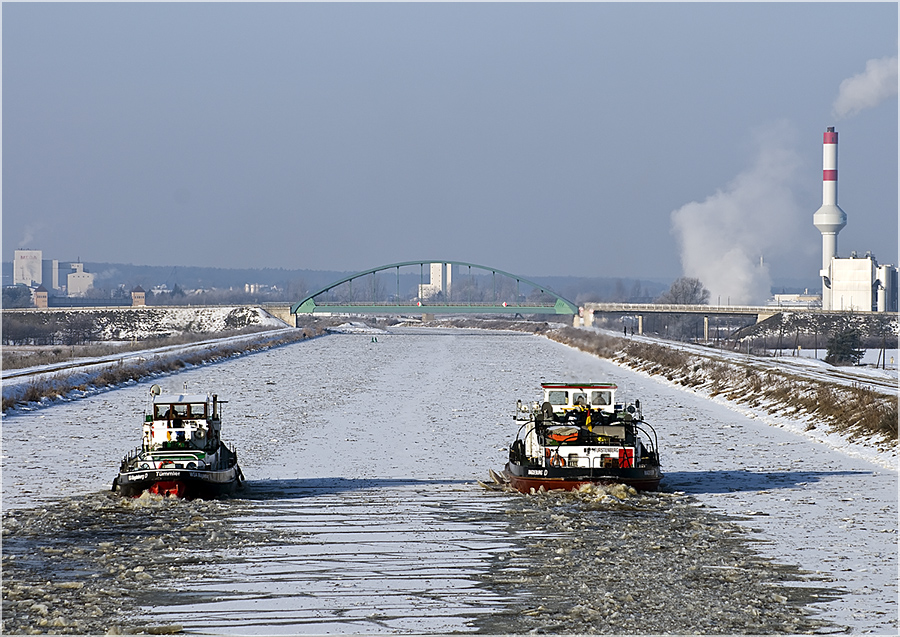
440 280
50 274
79 281
31 270
854 284
27 268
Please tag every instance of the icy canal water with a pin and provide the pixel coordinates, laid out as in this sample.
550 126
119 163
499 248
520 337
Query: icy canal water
363 513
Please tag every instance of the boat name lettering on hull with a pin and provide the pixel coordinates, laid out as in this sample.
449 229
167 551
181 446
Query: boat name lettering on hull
537 472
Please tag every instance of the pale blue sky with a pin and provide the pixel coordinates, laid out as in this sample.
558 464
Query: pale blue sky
541 139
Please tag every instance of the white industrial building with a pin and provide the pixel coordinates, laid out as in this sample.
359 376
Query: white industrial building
860 284
79 281
32 270
440 280
50 274
854 284
27 268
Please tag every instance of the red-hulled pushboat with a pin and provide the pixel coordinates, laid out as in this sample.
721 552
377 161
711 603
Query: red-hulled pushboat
580 435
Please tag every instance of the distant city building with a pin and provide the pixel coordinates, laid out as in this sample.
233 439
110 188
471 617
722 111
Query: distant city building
50 274
138 296
79 281
438 283
27 268
41 299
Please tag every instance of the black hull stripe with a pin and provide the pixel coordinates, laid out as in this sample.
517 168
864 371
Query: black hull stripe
647 479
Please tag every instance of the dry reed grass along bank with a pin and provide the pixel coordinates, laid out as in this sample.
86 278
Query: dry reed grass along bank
18 357
61 385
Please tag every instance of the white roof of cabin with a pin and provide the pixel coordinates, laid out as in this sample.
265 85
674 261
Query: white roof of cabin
180 398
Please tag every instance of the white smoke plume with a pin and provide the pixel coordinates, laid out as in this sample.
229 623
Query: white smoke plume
27 239
867 89
724 237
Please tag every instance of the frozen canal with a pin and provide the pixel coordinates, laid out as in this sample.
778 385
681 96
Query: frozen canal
362 512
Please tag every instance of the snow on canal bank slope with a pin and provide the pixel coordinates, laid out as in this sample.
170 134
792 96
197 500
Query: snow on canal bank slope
876 449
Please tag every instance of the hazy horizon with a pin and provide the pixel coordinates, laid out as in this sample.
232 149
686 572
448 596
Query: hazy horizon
585 139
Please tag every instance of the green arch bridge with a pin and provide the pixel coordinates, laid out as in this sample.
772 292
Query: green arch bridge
432 287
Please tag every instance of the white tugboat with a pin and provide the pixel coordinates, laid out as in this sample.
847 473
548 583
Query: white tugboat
181 452
580 435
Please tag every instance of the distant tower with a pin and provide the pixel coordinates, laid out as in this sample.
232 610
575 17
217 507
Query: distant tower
138 297
829 219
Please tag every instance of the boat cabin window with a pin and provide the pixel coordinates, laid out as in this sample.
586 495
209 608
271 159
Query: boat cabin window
180 411
198 410
601 398
558 397
579 399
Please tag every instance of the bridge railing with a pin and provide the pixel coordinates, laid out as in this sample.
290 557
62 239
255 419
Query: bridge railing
428 304
677 308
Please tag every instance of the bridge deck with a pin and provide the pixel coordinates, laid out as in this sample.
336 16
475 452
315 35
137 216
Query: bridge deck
368 307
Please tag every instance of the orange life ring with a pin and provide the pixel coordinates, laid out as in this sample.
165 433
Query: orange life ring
557 460
163 463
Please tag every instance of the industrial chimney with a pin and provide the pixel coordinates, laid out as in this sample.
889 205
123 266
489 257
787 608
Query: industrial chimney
829 219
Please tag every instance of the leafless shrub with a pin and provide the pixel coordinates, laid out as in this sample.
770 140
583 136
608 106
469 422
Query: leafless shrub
36 390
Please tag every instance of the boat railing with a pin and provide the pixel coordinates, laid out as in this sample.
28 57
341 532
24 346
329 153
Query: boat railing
180 453
654 443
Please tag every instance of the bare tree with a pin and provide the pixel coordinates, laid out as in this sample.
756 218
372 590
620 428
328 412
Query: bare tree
685 291
79 329
18 296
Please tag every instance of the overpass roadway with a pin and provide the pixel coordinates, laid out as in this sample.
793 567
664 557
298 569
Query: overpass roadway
762 312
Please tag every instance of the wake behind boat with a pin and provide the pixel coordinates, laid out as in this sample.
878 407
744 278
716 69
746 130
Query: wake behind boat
181 452
580 435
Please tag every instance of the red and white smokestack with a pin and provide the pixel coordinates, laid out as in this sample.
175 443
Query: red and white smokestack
829 219
829 167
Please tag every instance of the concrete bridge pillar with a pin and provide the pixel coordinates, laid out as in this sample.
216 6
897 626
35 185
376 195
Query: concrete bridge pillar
281 311
588 317
640 323
706 328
